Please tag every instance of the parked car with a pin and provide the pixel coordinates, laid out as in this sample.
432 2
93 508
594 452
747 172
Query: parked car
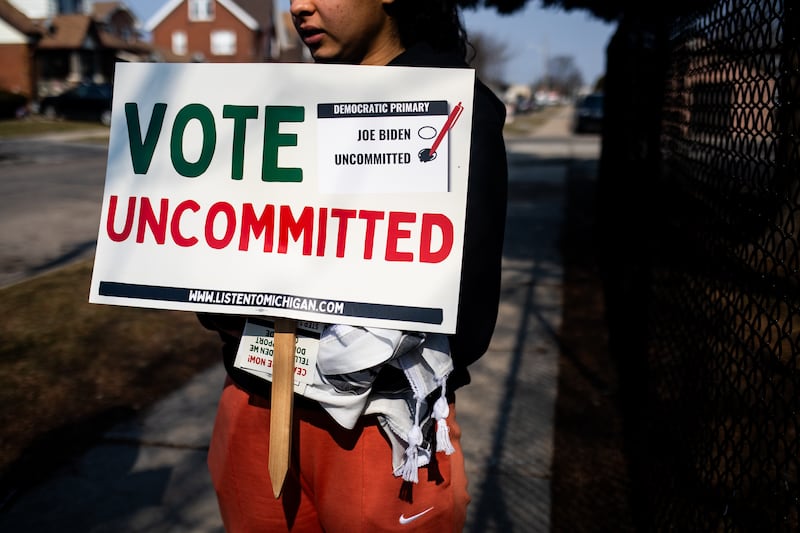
11 104
88 101
588 115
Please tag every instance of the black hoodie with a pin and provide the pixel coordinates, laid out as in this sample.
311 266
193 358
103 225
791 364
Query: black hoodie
483 237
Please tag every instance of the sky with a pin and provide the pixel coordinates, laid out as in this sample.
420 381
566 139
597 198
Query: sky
534 34
531 36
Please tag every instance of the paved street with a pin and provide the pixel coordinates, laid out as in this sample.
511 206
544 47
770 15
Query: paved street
50 195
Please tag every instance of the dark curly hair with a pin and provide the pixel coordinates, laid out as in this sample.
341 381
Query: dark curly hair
436 22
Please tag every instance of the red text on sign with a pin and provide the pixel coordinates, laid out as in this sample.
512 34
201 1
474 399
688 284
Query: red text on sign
351 232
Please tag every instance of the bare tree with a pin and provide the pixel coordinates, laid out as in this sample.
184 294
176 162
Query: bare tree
488 57
608 10
562 75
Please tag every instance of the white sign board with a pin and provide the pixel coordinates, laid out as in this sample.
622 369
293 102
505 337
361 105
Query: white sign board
328 193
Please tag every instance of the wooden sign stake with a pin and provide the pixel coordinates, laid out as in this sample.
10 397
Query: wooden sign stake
280 423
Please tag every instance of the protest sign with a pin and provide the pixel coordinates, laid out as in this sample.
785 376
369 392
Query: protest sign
328 193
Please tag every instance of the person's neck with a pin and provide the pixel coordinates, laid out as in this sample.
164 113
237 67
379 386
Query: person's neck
383 55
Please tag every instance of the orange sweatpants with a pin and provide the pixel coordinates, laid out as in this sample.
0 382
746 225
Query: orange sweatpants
340 481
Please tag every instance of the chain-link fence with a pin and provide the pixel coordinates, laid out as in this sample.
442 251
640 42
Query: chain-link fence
699 208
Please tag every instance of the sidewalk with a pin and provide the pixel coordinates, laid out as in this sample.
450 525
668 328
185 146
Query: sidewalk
150 474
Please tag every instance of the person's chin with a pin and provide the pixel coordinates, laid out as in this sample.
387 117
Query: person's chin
327 58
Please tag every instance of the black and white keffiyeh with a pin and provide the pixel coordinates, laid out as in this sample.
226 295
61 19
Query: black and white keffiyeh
348 364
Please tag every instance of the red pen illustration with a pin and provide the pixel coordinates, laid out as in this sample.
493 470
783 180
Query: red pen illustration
429 154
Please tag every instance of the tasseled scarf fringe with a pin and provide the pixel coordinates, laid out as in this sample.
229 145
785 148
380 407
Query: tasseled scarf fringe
410 468
440 412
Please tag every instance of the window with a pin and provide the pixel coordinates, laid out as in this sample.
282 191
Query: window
223 43
179 43
201 10
68 6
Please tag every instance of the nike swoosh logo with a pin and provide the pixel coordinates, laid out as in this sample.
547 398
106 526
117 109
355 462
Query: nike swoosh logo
407 519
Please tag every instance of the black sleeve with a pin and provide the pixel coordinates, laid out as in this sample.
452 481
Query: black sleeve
230 329
484 233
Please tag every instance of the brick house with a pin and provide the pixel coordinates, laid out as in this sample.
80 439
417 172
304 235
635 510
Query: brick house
19 36
228 31
44 51
79 47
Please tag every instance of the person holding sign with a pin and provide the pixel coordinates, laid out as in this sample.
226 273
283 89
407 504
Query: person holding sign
376 446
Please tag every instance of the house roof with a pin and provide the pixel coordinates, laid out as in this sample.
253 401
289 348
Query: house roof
237 9
66 31
70 32
102 11
17 19
109 40
259 10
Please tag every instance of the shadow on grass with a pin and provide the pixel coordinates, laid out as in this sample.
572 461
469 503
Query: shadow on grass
70 369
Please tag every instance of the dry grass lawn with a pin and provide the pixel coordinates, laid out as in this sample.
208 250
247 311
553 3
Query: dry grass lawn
70 369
